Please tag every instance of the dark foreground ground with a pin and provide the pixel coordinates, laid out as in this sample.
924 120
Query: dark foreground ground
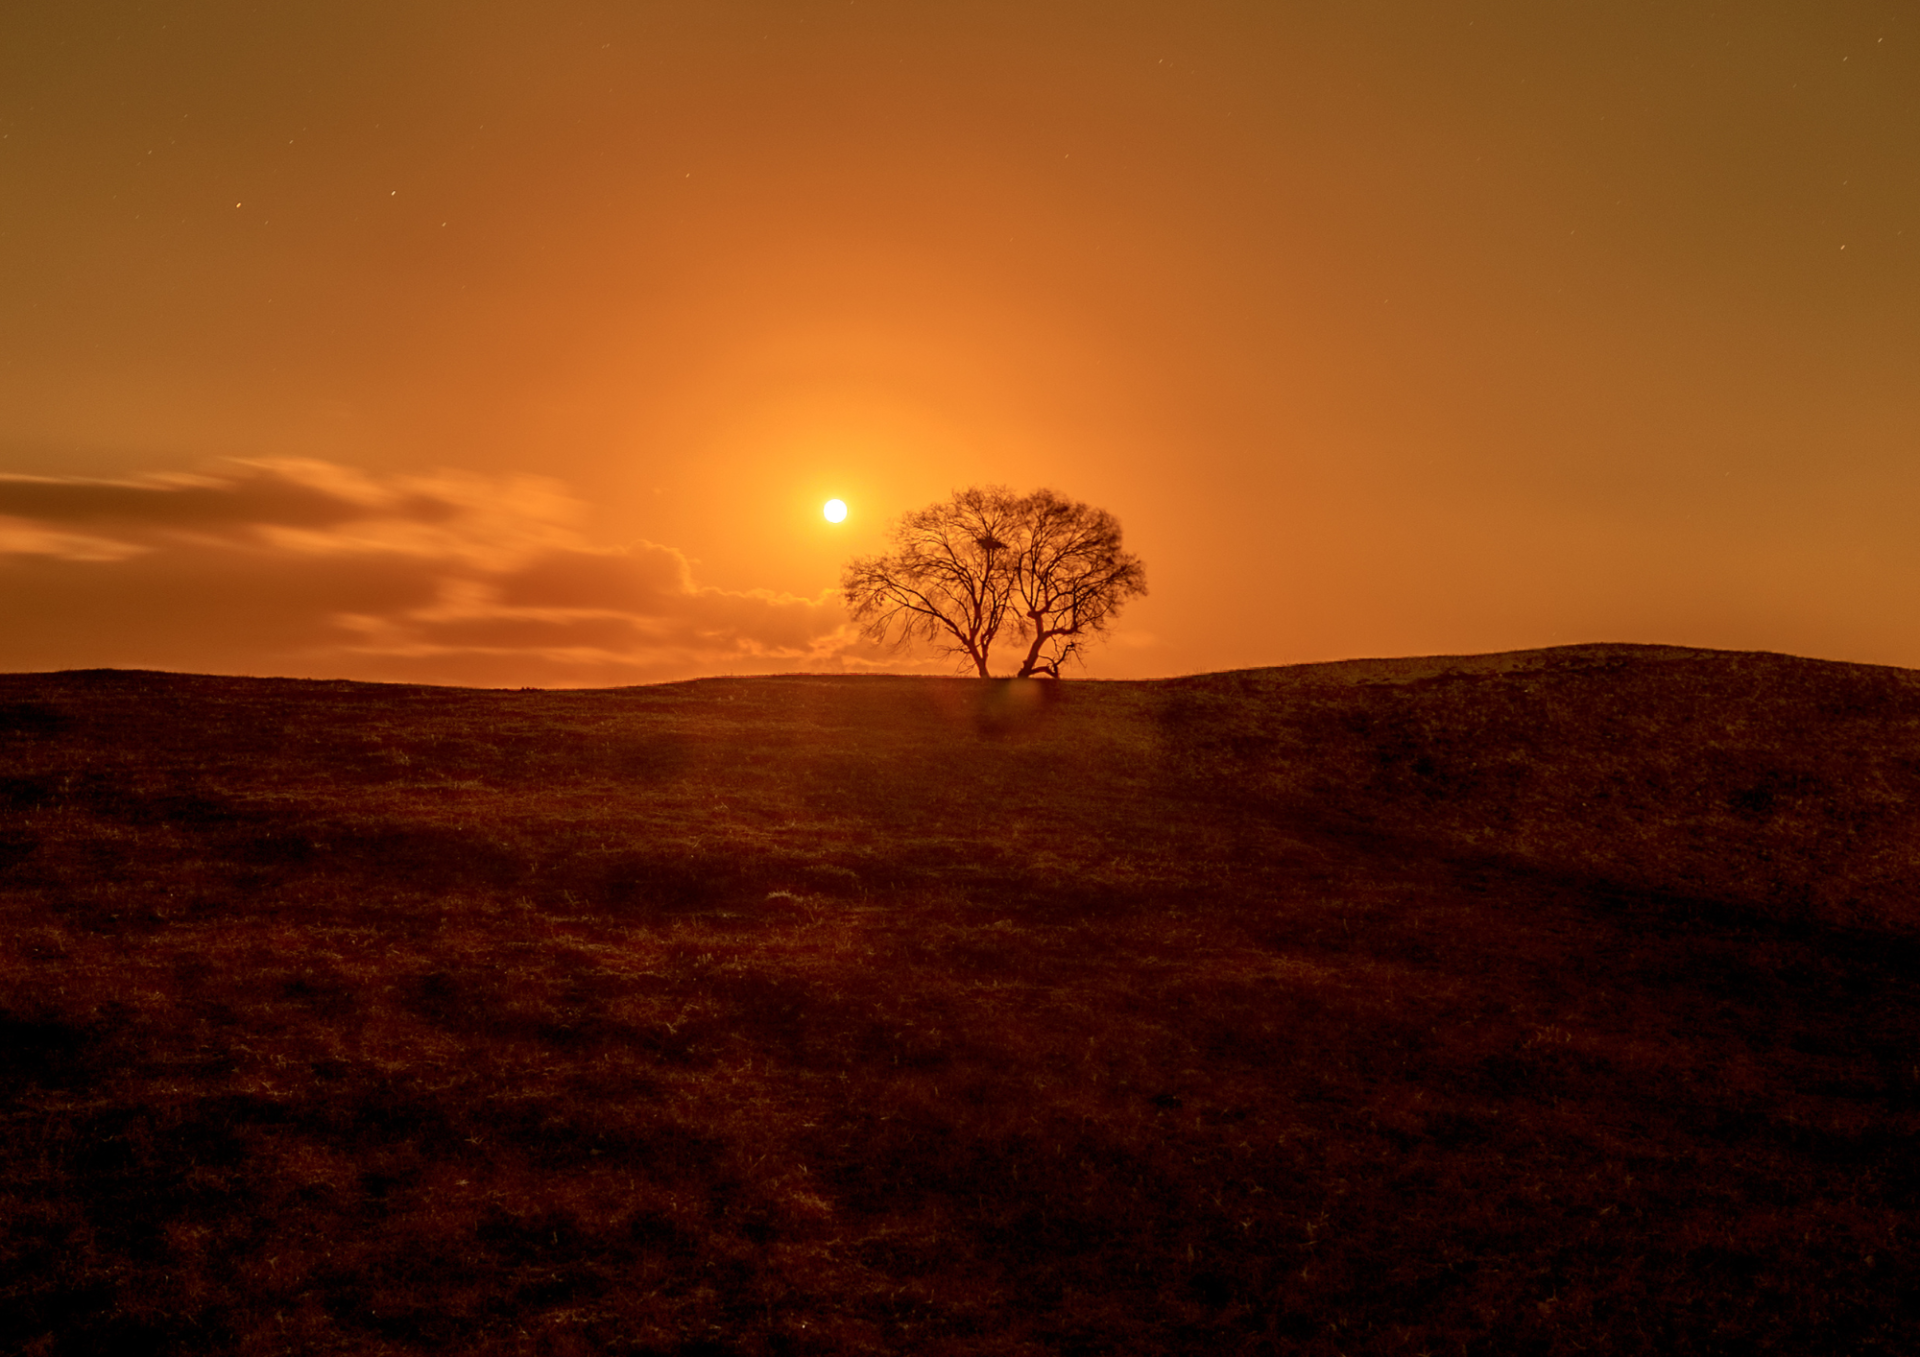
1558 1002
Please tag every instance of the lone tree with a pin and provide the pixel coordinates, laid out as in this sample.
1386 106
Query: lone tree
1049 570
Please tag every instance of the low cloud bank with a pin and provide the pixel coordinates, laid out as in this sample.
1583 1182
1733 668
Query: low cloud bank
300 567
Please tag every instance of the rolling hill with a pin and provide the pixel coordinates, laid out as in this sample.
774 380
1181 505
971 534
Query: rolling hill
1547 1002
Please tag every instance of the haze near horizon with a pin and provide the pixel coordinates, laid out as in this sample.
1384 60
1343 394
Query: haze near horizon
479 344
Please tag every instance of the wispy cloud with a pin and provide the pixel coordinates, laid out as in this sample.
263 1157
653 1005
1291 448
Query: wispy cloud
306 567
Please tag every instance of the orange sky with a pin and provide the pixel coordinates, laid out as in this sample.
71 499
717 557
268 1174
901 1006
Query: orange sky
505 343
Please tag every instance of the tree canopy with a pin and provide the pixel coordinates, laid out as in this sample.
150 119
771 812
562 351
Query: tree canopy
1048 571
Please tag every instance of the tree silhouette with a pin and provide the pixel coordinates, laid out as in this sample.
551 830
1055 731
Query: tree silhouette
1049 569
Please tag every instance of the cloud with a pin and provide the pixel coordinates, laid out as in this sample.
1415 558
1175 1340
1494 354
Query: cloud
310 568
301 493
21 537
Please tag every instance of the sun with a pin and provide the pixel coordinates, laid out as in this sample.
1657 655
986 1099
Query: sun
835 510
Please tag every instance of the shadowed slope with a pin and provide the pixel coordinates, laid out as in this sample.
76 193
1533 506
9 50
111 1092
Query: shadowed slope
1537 1002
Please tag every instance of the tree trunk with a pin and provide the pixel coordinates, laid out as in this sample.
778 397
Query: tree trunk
1040 637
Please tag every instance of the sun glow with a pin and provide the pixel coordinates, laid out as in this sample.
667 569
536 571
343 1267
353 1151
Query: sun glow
835 510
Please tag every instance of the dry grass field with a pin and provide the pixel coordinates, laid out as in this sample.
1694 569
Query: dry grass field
1557 1002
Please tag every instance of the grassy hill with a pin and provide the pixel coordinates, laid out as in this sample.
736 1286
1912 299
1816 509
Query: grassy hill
1552 1002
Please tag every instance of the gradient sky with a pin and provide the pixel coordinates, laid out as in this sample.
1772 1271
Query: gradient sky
512 343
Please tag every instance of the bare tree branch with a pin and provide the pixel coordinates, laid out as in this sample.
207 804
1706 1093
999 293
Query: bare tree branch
1051 568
